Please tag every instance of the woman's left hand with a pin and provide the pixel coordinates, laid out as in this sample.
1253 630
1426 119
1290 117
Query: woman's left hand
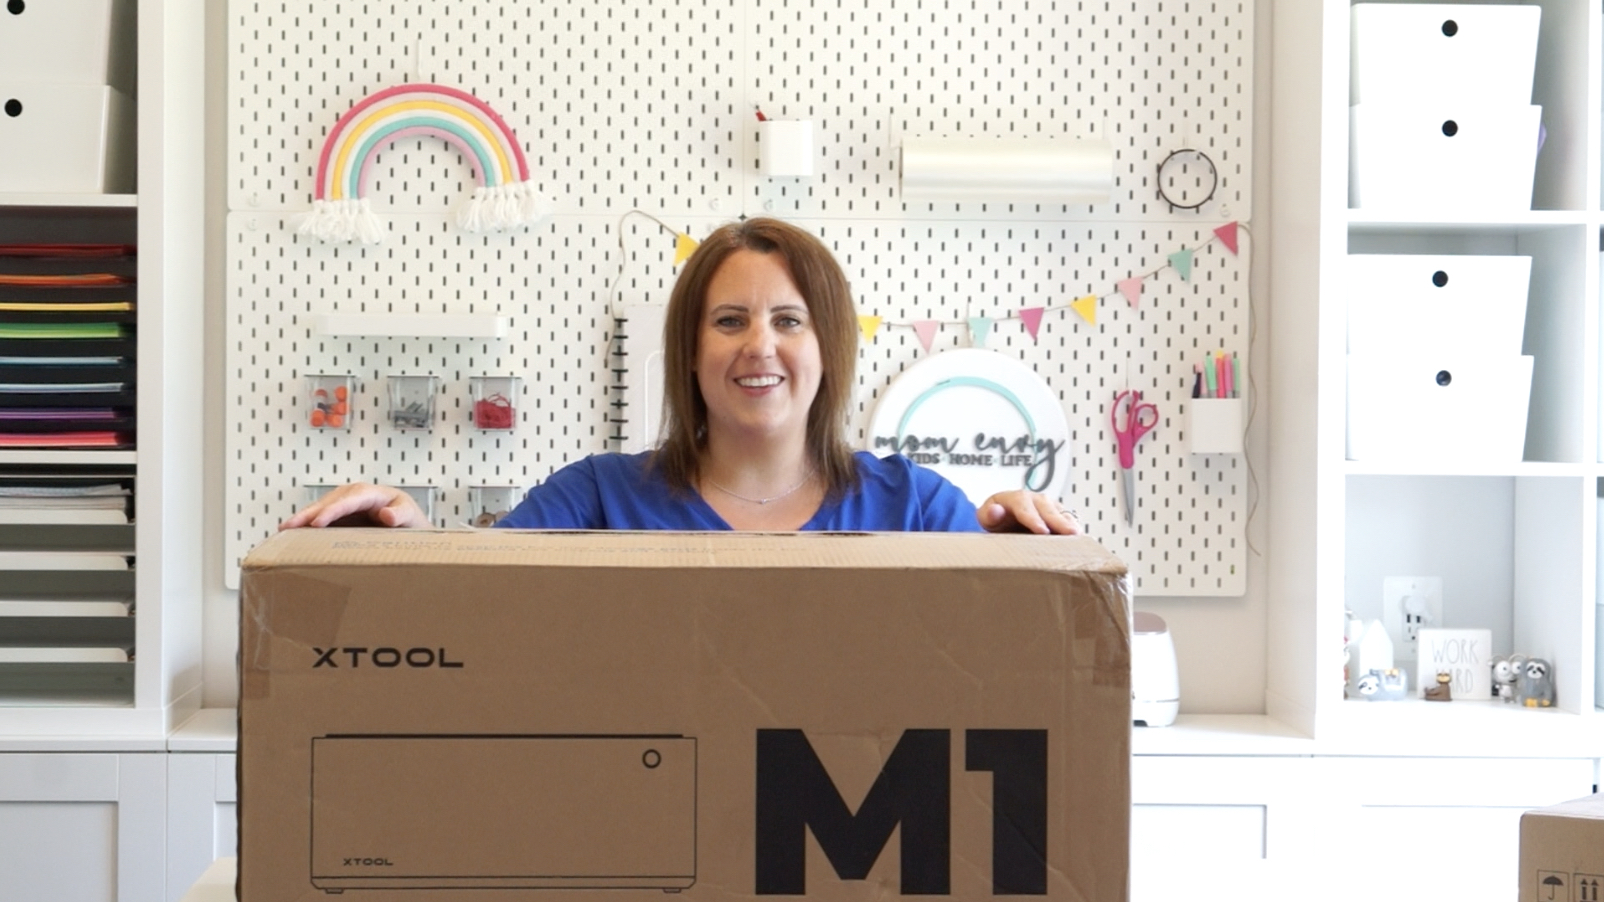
1022 511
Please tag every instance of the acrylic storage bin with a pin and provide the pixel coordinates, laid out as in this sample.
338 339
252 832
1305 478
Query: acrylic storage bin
1434 304
1404 52
65 139
489 503
1442 157
1445 411
424 495
330 401
68 42
495 402
412 401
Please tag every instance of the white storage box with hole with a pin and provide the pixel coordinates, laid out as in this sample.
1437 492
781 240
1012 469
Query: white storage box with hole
1430 305
66 139
1442 156
1428 51
74 42
1465 410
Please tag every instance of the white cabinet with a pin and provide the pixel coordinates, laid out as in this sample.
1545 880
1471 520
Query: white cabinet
85 827
1205 822
1442 828
201 826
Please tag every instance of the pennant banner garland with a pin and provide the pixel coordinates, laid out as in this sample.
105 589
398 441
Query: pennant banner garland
980 327
684 246
1032 318
1182 261
1130 288
1086 307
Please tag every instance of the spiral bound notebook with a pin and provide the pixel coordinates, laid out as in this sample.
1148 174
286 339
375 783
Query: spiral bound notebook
638 372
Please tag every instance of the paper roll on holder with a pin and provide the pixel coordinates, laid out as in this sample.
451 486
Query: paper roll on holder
1011 169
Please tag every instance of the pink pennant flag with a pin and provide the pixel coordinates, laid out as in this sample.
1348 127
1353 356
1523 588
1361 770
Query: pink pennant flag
1227 235
1132 289
926 330
1032 318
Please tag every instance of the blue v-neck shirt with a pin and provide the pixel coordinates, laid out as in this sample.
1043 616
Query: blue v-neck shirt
621 491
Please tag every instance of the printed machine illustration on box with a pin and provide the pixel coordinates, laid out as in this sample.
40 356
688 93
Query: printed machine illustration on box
591 812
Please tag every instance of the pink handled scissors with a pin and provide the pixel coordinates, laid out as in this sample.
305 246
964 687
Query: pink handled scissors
1140 419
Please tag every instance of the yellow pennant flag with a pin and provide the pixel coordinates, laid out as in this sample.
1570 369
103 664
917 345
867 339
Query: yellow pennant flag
684 246
869 325
1086 307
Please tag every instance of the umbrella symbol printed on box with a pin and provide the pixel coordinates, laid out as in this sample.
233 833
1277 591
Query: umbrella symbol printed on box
1551 887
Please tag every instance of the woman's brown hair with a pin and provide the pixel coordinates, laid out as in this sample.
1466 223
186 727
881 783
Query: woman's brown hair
822 284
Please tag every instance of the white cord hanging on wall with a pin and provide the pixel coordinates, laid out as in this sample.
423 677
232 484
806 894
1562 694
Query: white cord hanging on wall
506 196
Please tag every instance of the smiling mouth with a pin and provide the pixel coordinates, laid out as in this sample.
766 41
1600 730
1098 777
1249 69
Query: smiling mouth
757 381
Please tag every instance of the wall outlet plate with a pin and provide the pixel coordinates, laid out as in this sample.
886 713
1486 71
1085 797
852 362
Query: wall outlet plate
1409 603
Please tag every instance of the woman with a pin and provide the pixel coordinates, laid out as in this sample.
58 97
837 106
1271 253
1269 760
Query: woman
760 346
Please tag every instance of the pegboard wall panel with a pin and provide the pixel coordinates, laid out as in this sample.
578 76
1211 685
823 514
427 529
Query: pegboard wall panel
653 106
632 106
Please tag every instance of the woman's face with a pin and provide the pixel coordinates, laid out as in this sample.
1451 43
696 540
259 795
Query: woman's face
757 358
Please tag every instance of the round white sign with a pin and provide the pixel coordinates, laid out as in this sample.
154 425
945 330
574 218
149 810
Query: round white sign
982 419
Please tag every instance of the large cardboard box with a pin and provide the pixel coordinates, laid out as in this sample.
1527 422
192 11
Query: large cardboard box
1562 852
604 716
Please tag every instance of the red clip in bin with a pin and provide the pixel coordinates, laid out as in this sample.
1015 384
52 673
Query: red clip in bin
495 402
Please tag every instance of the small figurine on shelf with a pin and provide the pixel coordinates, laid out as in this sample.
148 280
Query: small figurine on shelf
1443 691
1536 684
1387 685
1506 673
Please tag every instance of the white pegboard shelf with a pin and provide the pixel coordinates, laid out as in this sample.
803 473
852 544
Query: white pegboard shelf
402 325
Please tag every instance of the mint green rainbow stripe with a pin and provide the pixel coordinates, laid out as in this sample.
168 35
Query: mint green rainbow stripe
486 160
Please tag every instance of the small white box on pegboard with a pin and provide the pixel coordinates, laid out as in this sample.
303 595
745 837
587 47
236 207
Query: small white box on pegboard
785 147
1214 425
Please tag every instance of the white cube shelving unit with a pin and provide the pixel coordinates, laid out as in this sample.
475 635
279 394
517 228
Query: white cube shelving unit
1516 544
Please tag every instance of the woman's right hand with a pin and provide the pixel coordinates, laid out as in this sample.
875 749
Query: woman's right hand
364 503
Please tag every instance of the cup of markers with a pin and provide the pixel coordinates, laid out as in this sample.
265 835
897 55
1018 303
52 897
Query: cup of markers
1217 376
1213 421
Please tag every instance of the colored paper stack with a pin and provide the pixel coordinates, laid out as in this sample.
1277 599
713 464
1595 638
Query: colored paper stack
67 346
1441 116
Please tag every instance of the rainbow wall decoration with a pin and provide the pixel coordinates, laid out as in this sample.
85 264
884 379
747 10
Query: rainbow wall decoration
505 196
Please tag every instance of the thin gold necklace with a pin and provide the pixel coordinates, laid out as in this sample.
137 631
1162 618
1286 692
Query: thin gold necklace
785 494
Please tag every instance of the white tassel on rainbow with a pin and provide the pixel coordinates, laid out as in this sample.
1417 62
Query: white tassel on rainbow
505 198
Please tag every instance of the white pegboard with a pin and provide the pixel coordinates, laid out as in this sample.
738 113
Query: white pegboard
652 106
630 106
